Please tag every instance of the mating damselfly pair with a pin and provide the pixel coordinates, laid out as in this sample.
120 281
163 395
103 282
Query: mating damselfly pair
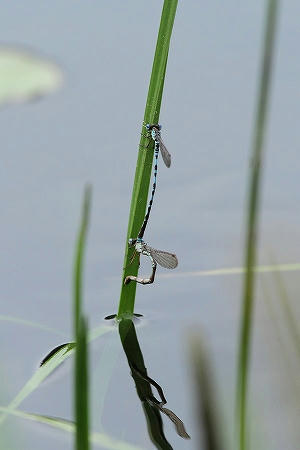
164 259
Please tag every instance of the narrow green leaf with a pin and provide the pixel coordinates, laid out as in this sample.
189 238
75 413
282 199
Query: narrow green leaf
80 331
78 261
102 440
252 228
29 323
279 340
234 271
206 398
291 319
40 375
48 368
81 388
145 154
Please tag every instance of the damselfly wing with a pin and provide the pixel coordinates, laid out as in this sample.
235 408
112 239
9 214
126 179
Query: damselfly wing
163 150
164 259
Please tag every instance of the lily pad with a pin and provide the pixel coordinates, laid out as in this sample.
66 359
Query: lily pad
24 76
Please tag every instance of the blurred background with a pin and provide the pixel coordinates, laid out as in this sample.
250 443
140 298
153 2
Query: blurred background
88 131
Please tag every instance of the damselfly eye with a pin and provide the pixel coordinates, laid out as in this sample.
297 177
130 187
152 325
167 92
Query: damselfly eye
148 126
131 241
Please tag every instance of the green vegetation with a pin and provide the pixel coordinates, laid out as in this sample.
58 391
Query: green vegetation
145 158
81 383
150 393
252 223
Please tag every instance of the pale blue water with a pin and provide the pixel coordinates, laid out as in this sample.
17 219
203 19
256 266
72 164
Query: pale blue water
89 132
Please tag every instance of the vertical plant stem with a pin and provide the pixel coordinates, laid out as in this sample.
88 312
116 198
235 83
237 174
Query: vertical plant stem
81 388
145 154
80 334
207 402
78 260
253 206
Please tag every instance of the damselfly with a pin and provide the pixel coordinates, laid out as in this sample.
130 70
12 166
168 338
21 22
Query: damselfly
158 145
155 134
164 259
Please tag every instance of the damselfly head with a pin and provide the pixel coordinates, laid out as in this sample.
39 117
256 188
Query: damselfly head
131 242
149 126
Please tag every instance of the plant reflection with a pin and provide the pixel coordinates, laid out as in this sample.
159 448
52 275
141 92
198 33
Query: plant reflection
151 406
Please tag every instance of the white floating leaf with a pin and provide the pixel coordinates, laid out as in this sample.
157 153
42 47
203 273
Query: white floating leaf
24 76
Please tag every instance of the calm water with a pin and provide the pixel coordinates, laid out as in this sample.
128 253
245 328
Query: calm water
89 131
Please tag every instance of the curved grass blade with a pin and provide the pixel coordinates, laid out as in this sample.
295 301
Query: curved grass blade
289 314
55 350
234 271
43 372
252 227
207 405
103 440
40 375
29 323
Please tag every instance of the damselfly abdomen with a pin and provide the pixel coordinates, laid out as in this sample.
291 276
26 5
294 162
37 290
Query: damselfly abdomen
158 145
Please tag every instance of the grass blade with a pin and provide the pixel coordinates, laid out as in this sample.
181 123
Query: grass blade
291 319
78 262
48 368
80 330
81 388
31 324
145 158
207 405
101 440
250 248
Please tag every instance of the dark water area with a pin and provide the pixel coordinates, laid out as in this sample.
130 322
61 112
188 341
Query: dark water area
89 132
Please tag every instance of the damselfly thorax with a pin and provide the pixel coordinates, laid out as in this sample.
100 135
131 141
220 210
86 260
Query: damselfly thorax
164 259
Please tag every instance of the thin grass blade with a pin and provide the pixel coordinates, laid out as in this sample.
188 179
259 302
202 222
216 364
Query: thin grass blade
78 261
101 440
81 388
145 157
205 394
252 228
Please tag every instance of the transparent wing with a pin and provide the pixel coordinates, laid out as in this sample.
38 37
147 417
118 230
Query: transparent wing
164 259
164 152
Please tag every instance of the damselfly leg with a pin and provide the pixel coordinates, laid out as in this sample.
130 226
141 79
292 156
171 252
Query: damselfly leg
132 258
164 259
142 280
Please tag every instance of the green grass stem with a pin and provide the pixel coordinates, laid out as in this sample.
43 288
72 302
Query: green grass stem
252 223
80 332
145 154
81 388
78 260
289 314
207 401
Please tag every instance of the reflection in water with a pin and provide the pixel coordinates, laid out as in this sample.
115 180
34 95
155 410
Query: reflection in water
114 316
152 407
69 346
